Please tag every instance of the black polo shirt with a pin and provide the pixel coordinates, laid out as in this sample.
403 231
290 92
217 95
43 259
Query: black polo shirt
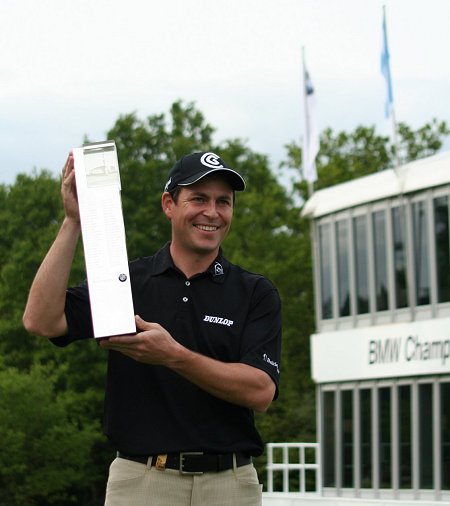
226 313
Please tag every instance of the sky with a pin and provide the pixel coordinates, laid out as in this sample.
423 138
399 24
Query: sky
69 69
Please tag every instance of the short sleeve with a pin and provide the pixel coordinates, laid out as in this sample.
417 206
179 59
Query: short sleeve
261 346
78 315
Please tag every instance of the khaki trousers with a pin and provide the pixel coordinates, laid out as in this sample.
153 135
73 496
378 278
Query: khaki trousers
134 484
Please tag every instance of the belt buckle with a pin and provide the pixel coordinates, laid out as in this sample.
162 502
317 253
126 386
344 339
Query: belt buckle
182 456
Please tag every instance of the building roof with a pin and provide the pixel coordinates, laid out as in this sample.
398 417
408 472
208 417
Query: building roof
414 176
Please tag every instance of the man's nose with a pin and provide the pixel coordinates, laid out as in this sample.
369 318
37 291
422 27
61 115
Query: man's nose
211 209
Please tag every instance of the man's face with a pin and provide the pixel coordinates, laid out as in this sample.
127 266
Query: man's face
201 217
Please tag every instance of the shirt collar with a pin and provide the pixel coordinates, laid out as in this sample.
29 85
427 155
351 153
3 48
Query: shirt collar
163 260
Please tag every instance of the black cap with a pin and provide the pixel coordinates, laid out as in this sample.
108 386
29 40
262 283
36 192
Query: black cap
191 168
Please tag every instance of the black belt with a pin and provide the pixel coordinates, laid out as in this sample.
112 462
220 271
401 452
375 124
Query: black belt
192 462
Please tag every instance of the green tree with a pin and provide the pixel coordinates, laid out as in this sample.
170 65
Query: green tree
30 215
344 156
46 447
425 141
29 218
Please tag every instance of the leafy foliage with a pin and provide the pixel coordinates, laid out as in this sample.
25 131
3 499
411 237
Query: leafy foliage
344 156
46 445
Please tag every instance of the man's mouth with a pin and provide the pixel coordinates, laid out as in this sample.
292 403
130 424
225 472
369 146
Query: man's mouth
207 228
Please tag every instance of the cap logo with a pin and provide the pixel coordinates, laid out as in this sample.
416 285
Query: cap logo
211 160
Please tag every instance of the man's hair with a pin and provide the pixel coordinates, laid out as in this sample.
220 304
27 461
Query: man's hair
174 193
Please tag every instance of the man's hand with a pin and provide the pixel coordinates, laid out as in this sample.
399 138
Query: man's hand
69 190
153 345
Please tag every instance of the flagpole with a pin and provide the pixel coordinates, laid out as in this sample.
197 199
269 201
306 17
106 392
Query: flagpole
305 134
311 141
394 137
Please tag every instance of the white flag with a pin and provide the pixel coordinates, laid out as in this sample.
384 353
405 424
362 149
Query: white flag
311 142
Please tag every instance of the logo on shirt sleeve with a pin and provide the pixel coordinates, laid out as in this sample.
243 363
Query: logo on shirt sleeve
271 362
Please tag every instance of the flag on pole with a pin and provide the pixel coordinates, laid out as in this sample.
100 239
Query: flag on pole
386 69
311 136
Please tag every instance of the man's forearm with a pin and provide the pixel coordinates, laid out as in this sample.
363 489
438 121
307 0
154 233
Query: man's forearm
44 312
234 382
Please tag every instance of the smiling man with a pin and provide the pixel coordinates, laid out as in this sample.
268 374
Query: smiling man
181 392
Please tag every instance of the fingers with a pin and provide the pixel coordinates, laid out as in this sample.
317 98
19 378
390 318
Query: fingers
118 342
68 173
142 324
69 190
68 166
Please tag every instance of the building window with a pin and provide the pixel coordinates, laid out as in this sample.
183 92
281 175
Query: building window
365 416
385 450
425 435
445 435
398 229
347 438
404 424
441 230
343 267
325 270
420 243
353 275
361 264
380 260
393 447
329 439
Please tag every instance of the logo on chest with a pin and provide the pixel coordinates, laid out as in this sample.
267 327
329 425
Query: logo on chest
218 320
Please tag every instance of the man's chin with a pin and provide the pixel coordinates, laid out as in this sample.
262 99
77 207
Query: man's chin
206 247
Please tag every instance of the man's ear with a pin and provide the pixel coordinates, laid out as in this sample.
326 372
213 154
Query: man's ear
167 204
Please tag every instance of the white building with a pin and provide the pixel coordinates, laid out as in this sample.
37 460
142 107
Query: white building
381 352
